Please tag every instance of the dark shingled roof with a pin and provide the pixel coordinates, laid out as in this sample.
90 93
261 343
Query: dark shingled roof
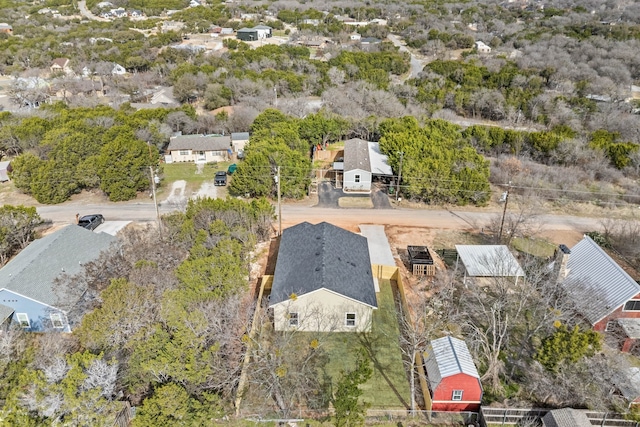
566 417
200 143
33 271
356 155
313 257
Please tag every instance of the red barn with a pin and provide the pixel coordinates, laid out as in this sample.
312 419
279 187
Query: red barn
453 379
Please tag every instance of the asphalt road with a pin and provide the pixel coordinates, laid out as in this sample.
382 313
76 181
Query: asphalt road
295 213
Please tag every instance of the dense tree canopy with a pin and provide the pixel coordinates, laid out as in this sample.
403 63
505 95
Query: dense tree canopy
439 166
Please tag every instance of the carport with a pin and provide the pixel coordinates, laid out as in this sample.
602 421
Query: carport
488 261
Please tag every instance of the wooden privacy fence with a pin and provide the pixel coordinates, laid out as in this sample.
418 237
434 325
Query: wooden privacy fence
490 417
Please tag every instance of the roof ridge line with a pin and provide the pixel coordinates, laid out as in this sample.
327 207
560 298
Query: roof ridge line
455 354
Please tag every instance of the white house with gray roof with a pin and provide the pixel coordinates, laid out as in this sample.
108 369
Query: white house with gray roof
29 290
199 148
357 166
323 280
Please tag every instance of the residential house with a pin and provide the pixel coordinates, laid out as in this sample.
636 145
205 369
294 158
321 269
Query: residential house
354 36
247 34
488 261
566 417
199 148
264 31
481 47
215 29
454 382
29 286
136 14
323 280
5 169
249 16
61 65
370 41
6 28
314 22
172 26
603 292
119 13
357 166
226 31
361 162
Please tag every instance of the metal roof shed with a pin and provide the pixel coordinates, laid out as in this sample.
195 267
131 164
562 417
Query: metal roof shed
488 261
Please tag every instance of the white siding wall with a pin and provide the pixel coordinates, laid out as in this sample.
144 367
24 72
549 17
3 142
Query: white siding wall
193 156
350 183
322 311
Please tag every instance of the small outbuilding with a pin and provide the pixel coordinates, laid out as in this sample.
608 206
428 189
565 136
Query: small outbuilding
488 261
454 382
566 417
421 261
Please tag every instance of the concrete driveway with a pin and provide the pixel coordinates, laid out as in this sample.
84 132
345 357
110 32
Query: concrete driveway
328 197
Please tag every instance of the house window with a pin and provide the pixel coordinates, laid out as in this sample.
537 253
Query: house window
56 320
357 178
23 319
456 395
632 305
184 152
293 319
350 319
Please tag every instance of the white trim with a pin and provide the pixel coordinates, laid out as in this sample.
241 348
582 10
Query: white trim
323 289
630 311
346 320
456 401
53 322
291 315
34 300
18 315
455 393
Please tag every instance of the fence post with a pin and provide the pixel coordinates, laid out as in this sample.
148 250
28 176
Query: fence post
604 418
504 417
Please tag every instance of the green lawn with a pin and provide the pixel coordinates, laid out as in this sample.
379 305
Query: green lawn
172 172
536 247
388 387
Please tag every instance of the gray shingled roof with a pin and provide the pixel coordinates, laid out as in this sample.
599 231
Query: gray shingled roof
5 312
448 356
240 136
356 155
313 257
597 284
33 271
566 417
200 143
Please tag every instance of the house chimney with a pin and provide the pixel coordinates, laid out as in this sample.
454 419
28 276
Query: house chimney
561 260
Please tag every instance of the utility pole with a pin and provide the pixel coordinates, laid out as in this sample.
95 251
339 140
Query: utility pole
504 211
399 175
279 203
153 192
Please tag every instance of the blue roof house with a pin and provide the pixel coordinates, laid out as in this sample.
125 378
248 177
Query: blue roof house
29 290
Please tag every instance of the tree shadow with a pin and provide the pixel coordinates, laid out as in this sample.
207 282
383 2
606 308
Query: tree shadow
369 345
